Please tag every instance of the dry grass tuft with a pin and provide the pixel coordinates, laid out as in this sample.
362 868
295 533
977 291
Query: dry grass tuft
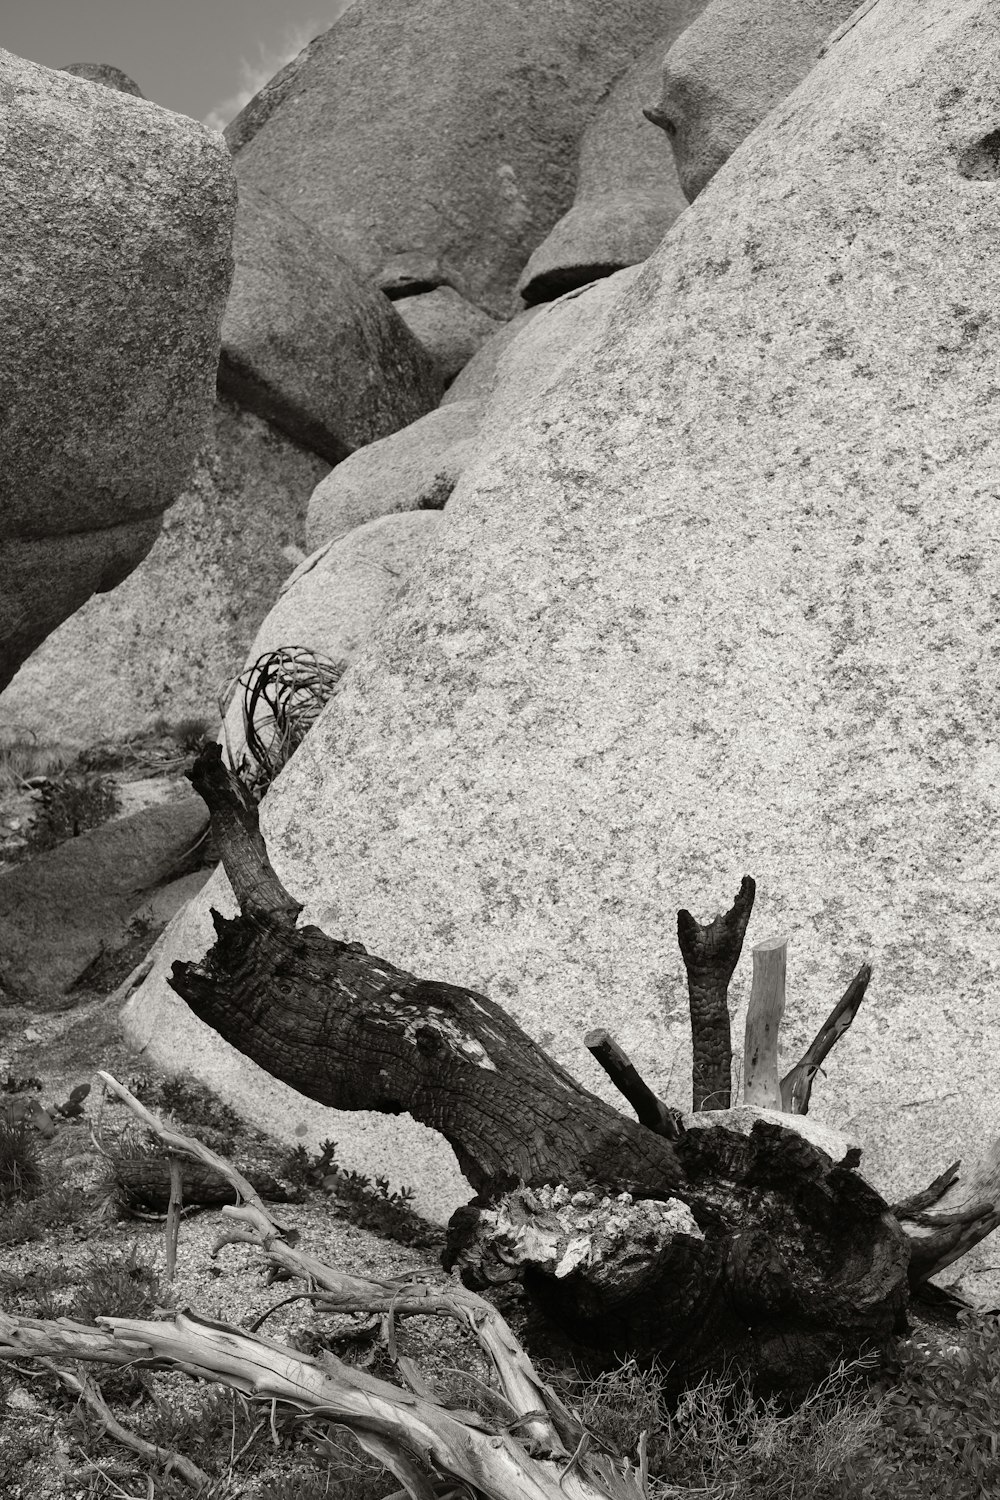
284 693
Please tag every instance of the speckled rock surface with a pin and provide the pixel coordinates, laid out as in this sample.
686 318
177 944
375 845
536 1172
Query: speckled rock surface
473 164
312 347
448 326
724 602
627 189
415 469
735 62
106 73
476 379
170 636
332 601
119 363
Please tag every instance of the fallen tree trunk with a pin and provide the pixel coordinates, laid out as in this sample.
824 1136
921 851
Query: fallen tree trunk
752 1248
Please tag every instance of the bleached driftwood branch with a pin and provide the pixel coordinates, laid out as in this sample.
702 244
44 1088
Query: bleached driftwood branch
542 1453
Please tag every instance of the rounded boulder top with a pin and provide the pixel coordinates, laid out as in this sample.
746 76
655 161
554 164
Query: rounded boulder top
106 74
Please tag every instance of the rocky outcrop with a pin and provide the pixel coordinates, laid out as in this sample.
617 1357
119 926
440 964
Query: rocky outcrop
475 381
448 326
446 129
60 910
415 469
105 73
736 61
167 640
627 191
310 346
115 264
720 603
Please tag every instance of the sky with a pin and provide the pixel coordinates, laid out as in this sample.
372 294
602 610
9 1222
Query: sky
204 58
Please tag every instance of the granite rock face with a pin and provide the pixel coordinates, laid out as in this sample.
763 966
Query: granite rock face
115 263
475 381
309 345
416 469
57 911
627 190
449 327
447 128
333 600
728 69
725 603
173 633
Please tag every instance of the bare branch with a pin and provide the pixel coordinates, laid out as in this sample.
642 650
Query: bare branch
907 1207
419 1431
166 1458
651 1111
796 1086
967 1212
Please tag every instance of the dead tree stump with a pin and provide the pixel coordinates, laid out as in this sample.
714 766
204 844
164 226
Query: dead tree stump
705 1248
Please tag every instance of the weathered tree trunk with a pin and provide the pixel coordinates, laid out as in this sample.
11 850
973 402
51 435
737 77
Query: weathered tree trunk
752 1248
140 1182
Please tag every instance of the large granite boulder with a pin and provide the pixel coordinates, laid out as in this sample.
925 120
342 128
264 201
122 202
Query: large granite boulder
729 68
415 469
333 599
309 345
60 909
721 603
444 128
450 328
627 190
475 381
166 641
115 263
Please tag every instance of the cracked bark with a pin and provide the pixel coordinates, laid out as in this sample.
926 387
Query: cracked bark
755 1250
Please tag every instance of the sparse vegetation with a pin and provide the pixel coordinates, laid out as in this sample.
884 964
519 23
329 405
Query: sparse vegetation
22 757
33 1218
20 1167
69 804
923 1430
363 1200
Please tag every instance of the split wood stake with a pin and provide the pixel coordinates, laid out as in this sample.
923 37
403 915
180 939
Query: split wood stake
761 1084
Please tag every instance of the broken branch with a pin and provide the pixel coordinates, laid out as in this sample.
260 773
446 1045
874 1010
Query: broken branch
767 1005
796 1086
711 952
651 1111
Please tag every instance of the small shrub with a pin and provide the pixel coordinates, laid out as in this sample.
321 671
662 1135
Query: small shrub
365 1201
39 1216
70 805
24 1457
345 1472
221 1423
191 734
197 1107
941 1415
22 758
20 1165
122 1285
